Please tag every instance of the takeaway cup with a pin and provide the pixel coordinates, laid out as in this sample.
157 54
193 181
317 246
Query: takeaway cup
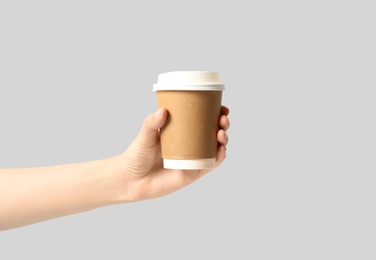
193 100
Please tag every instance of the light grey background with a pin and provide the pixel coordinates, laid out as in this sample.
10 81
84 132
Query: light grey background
299 179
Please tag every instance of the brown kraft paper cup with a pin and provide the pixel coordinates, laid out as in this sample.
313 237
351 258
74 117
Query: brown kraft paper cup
189 136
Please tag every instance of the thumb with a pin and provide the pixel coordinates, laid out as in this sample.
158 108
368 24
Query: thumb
149 131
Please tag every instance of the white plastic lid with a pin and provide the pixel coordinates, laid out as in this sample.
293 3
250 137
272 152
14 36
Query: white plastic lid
189 80
197 164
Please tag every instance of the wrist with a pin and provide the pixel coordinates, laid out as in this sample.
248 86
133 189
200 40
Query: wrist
115 179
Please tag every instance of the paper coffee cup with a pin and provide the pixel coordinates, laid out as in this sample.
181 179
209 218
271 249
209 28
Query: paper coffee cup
193 100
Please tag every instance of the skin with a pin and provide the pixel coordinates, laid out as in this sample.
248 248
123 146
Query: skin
32 195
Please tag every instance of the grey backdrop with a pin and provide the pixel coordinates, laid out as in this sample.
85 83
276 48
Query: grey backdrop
298 182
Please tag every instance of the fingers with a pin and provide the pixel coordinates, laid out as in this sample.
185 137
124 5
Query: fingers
159 118
149 130
221 150
222 137
225 110
221 154
224 125
224 122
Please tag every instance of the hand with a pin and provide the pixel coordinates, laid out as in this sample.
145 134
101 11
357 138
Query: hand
136 174
142 165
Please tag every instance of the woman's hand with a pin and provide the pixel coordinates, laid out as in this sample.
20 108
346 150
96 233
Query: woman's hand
143 173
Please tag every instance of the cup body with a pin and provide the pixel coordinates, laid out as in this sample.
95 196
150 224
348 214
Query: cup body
189 137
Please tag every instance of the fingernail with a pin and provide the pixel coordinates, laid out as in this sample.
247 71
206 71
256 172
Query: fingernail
158 113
